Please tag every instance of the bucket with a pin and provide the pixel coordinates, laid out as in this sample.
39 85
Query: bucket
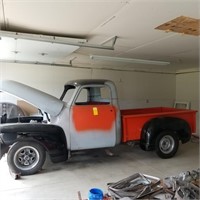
95 194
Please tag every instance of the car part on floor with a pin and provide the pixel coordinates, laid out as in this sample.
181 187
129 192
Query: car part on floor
185 186
135 186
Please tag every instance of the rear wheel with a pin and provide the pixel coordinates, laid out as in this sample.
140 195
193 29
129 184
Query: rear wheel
26 157
167 144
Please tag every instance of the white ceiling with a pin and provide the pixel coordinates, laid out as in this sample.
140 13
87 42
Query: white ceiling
132 21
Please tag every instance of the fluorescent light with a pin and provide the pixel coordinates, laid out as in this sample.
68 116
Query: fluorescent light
128 60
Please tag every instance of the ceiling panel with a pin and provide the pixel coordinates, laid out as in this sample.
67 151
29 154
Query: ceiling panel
167 47
65 17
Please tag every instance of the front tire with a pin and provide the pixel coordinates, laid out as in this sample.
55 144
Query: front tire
26 157
167 144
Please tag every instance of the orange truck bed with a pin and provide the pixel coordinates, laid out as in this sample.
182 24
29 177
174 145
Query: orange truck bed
133 120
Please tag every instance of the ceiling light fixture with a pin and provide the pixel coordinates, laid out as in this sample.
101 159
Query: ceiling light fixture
128 60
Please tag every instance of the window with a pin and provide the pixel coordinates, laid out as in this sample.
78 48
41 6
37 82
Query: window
67 93
82 97
94 95
182 105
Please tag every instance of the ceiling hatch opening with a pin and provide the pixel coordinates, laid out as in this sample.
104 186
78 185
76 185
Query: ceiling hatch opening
183 25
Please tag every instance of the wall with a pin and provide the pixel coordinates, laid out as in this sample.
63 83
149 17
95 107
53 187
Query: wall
141 89
135 89
187 89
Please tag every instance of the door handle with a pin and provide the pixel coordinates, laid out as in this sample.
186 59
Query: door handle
95 111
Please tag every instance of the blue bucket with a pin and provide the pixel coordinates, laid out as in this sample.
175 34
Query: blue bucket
95 194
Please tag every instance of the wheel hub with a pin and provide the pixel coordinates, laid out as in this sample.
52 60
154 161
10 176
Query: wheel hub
26 158
167 144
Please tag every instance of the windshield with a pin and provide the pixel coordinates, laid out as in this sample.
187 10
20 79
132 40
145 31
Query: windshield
67 93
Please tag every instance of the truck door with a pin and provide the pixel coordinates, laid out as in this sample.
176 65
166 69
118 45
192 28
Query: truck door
93 118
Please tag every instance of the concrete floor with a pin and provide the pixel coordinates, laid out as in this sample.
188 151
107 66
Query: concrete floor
94 168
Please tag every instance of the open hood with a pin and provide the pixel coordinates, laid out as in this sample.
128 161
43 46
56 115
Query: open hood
39 99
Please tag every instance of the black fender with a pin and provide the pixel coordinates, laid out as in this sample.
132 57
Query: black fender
152 128
52 137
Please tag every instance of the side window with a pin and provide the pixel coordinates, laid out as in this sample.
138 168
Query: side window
82 97
94 95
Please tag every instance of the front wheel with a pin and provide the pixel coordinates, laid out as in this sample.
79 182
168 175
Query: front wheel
167 144
26 157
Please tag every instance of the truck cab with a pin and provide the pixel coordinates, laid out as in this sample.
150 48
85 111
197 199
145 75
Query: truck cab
93 115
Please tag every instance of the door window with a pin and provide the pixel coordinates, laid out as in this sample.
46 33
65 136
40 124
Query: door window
94 95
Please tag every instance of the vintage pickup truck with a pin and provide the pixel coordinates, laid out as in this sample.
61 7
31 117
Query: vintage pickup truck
87 116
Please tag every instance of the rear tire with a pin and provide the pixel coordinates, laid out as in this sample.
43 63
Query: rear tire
26 157
167 144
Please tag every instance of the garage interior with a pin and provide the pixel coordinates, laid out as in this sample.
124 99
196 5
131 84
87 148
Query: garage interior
148 48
